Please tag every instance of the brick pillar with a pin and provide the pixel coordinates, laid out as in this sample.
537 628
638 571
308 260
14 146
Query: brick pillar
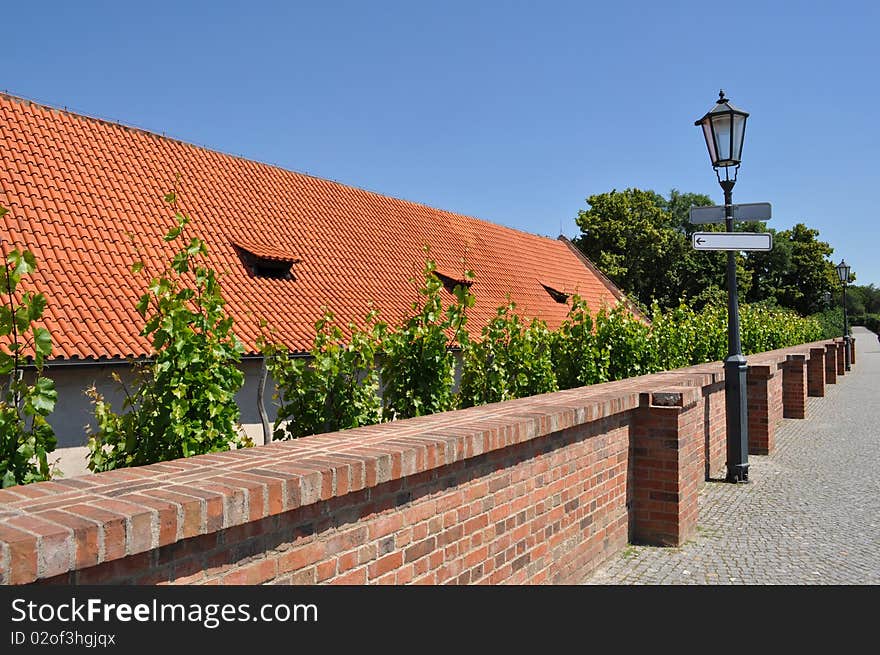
764 390
794 386
830 363
852 350
816 373
841 358
666 438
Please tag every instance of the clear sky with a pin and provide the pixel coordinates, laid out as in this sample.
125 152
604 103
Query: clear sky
514 112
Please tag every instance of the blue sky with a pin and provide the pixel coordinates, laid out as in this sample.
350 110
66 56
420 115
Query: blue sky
514 112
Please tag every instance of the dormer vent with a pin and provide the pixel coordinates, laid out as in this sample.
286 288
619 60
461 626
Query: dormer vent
450 282
559 296
266 261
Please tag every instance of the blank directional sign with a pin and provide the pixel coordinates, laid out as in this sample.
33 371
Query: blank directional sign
750 211
732 241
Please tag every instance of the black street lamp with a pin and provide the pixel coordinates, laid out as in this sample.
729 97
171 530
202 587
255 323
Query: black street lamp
724 127
843 270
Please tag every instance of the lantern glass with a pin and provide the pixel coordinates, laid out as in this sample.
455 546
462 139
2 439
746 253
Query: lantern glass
736 140
843 271
724 129
721 126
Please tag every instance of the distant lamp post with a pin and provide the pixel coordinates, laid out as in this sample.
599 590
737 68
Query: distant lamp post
843 270
724 127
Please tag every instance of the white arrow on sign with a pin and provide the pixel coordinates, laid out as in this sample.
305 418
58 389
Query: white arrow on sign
750 211
732 241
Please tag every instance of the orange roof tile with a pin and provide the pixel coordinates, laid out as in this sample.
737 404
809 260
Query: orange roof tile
86 196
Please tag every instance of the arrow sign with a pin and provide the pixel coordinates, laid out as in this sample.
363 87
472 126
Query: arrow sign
732 241
750 211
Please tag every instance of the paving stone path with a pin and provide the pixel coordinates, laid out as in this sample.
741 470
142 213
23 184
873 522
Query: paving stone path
810 513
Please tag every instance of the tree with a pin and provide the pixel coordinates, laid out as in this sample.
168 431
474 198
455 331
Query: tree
634 241
642 241
861 302
797 273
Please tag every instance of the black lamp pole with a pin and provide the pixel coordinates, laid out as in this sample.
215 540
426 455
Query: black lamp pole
724 129
843 270
735 366
846 337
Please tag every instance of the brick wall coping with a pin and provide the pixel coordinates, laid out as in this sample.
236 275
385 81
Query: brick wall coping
50 528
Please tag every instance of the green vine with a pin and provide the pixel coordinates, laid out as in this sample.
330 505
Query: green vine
335 388
417 365
511 360
26 438
184 402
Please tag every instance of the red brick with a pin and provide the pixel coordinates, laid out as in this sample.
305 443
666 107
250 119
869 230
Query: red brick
355 577
419 550
139 524
113 528
386 525
300 557
55 545
326 570
385 564
22 554
86 535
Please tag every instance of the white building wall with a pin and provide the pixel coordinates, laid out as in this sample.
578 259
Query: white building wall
74 411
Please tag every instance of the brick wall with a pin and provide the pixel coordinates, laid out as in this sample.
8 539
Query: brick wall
535 490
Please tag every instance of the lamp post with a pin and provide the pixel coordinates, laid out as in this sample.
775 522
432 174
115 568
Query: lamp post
843 270
724 127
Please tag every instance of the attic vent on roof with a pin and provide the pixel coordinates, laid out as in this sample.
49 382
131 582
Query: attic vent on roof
449 282
266 261
559 296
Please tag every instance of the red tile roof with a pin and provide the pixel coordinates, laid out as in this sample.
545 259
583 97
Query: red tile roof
86 196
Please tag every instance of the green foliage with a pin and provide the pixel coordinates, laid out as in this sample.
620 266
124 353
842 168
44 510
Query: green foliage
623 350
184 402
634 241
574 346
641 240
26 438
511 360
681 337
861 301
615 345
335 388
796 274
872 322
768 328
416 363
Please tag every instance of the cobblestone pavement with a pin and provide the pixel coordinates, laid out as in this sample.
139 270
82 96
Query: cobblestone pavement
810 513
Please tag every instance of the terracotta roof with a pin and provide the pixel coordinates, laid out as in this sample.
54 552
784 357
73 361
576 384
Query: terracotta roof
86 196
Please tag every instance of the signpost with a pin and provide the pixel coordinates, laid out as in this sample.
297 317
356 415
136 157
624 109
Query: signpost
752 211
732 241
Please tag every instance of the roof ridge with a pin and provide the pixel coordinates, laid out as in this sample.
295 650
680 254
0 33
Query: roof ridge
129 126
